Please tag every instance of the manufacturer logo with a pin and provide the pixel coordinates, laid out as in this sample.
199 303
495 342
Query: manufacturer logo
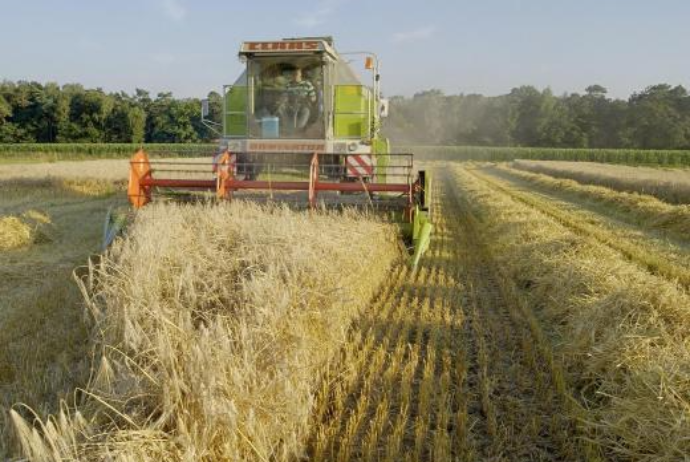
282 46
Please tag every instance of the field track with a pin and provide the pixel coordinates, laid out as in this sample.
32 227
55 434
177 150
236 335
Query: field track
449 366
455 362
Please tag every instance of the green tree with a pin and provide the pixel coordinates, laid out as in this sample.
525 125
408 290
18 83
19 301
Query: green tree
659 117
531 110
126 122
560 129
55 112
88 115
172 121
6 127
137 124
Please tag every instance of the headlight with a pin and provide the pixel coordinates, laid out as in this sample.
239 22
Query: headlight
352 147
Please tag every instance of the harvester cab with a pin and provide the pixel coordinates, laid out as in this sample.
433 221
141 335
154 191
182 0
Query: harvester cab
300 126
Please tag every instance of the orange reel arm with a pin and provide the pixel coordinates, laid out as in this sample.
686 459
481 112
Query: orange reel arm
139 170
225 175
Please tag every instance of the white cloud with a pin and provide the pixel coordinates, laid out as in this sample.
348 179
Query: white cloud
414 35
174 10
319 15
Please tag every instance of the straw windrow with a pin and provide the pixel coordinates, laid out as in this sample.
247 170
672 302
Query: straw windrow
646 210
22 230
668 185
619 332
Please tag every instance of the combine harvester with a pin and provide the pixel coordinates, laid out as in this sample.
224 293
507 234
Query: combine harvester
299 126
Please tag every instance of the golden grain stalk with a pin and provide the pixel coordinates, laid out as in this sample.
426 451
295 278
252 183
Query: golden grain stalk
212 327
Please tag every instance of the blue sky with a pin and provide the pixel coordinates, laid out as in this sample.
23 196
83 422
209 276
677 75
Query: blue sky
190 47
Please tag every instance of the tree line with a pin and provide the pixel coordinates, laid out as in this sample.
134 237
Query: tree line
31 112
655 118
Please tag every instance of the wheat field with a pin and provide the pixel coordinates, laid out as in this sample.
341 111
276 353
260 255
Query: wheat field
547 322
215 333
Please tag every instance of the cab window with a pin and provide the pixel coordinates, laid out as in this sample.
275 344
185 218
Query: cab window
287 98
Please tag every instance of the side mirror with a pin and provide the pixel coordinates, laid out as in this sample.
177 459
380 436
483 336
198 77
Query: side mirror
383 108
204 108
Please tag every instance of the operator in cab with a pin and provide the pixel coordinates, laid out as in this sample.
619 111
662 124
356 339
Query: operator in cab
296 103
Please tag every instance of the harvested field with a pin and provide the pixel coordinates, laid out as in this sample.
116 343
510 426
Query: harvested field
115 170
106 169
54 227
669 185
616 324
522 338
648 212
548 322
